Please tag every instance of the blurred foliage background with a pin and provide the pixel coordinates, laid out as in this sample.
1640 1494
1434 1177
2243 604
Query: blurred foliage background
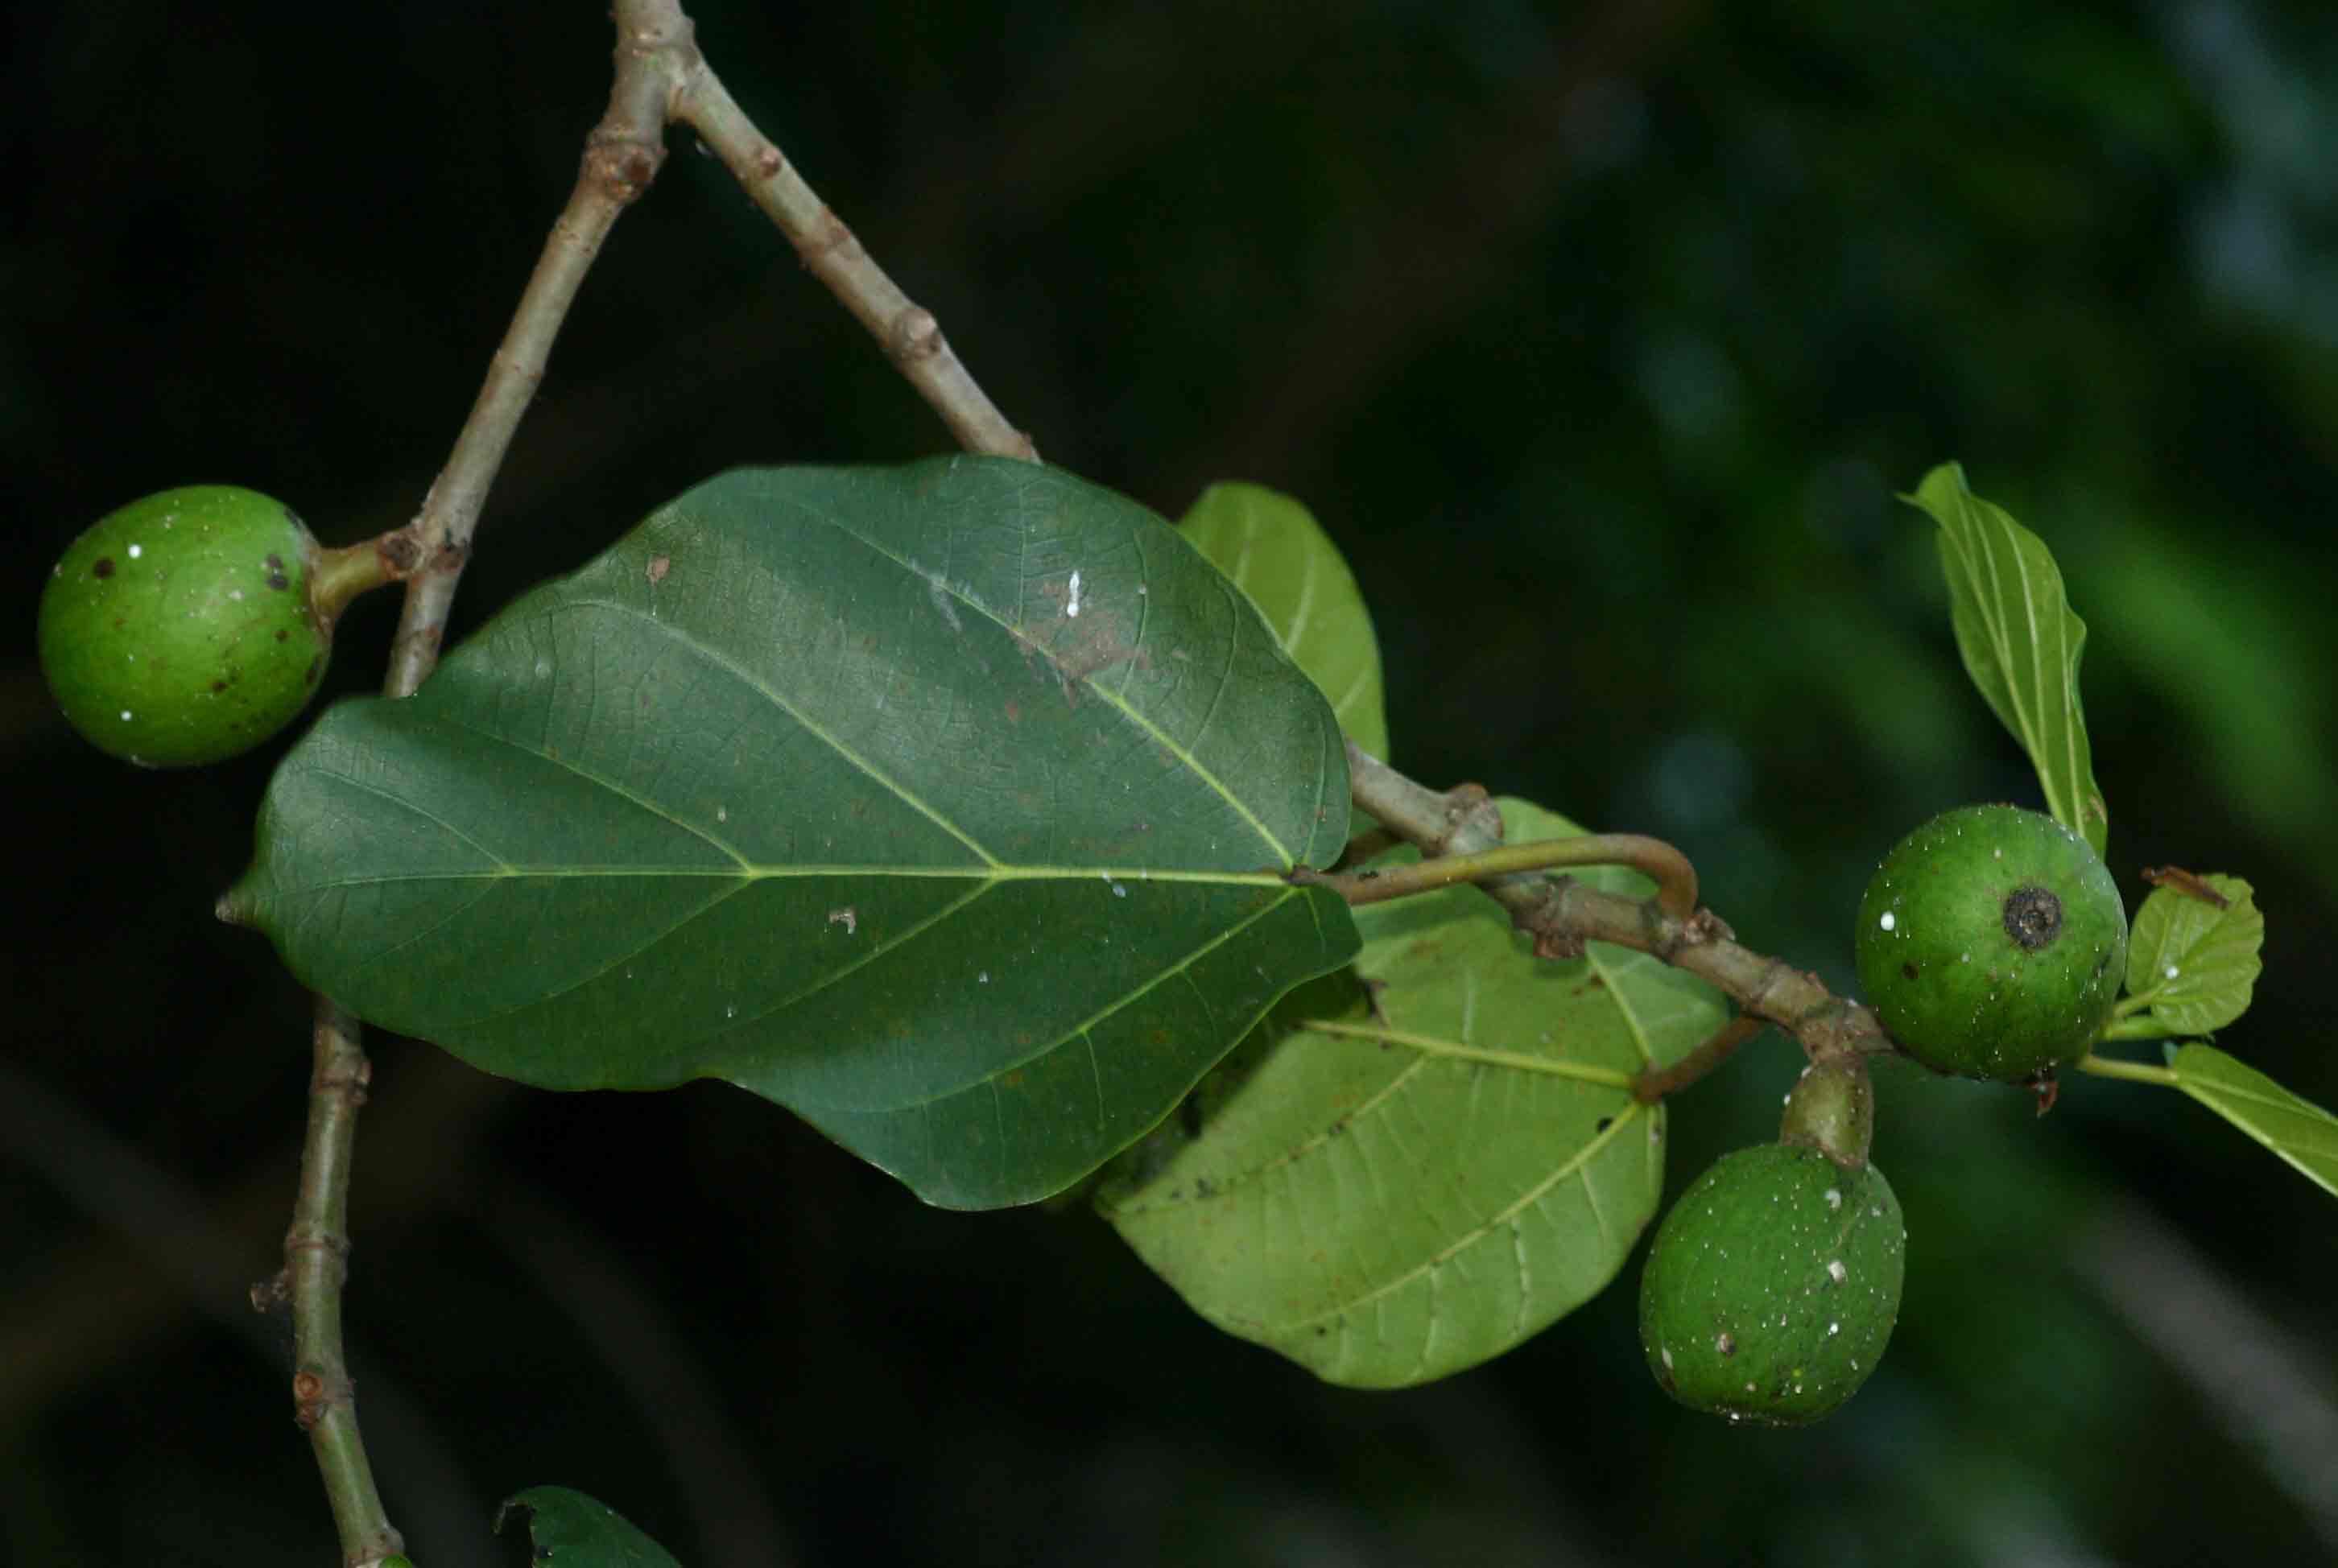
1602 338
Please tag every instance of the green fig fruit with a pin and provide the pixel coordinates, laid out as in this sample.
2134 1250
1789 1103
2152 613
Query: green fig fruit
1992 942
1772 1286
180 630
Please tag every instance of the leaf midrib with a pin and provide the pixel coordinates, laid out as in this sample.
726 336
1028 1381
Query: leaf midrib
752 873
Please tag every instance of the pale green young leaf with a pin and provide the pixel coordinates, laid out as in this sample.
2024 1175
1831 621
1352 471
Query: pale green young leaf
2191 964
1275 551
573 1531
2020 642
2298 1130
947 805
1408 1186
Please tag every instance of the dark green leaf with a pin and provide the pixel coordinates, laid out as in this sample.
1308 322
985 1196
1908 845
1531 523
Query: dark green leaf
571 1530
947 805
1275 551
2301 1132
1404 1190
2190 965
2020 642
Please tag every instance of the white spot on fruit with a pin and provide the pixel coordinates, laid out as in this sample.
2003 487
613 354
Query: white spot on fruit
2170 972
136 551
125 715
1835 1197
1837 1272
1890 920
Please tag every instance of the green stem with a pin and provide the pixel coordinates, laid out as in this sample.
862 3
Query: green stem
1431 1045
2133 1071
344 571
1675 877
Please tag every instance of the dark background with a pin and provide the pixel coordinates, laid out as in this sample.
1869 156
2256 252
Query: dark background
1601 339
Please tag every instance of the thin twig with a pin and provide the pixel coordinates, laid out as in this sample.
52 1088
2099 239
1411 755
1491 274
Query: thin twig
316 1265
1675 877
1658 1081
622 156
1562 915
912 339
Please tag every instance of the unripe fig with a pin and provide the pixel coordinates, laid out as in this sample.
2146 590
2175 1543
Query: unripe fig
1992 942
1772 1286
181 629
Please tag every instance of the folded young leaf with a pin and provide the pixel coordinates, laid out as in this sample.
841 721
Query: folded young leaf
2019 640
947 805
2191 964
2298 1130
1398 1190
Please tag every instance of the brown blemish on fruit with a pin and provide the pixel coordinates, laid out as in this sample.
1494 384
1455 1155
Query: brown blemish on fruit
218 687
1908 971
104 568
281 634
276 577
316 668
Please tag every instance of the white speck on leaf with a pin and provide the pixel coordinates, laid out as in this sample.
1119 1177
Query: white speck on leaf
2171 972
848 917
1837 1272
1835 1197
722 813
1072 605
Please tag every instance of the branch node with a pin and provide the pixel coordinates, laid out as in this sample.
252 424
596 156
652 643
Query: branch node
1472 822
620 163
308 1400
916 335
1705 926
